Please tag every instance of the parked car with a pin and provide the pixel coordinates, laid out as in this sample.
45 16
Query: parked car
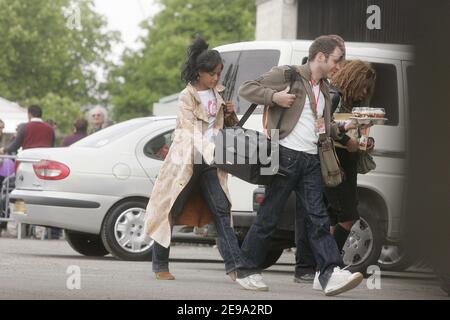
98 188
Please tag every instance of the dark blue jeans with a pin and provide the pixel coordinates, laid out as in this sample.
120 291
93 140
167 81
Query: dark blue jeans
306 180
219 206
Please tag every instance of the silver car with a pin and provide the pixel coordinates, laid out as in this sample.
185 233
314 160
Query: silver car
98 188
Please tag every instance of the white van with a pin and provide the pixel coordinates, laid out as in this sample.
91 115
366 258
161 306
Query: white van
381 192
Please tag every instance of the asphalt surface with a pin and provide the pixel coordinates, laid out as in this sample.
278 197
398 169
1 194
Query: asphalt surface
42 269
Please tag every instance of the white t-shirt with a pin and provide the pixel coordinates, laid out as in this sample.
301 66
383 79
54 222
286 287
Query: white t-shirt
209 103
304 136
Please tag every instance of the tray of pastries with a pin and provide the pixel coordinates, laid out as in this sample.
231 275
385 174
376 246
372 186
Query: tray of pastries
369 115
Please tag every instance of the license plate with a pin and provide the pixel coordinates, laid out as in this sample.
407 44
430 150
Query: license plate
20 207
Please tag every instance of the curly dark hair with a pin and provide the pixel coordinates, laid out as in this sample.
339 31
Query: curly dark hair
199 58
352 79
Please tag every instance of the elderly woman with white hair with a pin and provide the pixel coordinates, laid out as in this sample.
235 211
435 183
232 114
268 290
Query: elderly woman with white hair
98 119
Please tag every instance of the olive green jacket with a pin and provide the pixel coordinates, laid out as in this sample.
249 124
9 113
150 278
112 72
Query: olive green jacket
261 91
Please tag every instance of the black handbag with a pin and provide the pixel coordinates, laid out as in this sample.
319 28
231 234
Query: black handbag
365 162
246 153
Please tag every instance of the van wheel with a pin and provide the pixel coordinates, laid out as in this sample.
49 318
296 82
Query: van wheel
89 245
272 257
123 231
394 258
363 246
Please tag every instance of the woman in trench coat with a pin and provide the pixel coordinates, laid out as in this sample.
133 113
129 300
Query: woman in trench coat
188 191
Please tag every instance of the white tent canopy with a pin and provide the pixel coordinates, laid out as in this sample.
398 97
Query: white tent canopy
12 115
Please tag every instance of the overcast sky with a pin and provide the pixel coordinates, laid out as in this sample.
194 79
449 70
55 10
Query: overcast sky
125 16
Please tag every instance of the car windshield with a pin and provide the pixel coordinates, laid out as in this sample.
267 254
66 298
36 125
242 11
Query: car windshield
110 134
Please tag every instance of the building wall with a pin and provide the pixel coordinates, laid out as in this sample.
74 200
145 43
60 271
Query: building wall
348 18
276 19
307 19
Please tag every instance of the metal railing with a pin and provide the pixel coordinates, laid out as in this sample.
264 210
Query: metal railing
7 173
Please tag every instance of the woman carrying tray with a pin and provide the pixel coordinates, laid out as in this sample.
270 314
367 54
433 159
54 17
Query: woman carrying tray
352 86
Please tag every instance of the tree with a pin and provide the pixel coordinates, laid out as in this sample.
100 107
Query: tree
153 72
43 53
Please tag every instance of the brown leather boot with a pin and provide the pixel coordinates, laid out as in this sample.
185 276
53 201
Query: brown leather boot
165 275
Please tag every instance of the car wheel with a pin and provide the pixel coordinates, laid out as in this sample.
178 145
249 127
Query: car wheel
363 246
394 258
123 231
90 245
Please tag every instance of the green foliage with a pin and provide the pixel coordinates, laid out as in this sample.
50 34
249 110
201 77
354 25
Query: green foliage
41 54
154 72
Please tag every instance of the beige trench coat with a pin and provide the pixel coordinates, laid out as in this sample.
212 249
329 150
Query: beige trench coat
177 169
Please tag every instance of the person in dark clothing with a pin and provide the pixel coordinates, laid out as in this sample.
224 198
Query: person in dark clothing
354 85
80 131
34 134
351 86
300 119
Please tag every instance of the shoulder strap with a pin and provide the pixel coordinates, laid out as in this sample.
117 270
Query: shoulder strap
247 114
310 96
335 99
294 77
322 137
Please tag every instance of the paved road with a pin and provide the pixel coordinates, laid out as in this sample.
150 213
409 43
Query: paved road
35 269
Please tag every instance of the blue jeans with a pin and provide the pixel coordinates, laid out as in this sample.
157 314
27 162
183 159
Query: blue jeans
304 258
306 180
219 207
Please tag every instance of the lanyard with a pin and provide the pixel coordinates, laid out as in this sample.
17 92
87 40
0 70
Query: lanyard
316 99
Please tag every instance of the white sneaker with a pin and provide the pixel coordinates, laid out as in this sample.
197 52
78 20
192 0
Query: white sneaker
253 282
316 283
342 280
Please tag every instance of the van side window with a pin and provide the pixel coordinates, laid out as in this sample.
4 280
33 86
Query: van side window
251 64
386 91
158 147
